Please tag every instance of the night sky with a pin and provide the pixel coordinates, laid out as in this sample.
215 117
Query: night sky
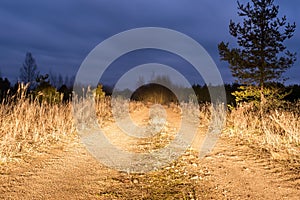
60 34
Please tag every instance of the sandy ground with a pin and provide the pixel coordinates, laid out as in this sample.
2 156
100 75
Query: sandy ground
231 171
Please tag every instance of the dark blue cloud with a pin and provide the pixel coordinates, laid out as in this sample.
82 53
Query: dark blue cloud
60 34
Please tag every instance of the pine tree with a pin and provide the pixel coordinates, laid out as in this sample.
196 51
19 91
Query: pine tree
261 56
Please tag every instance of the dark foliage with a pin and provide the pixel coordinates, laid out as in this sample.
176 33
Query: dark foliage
66 92
154 93
4 88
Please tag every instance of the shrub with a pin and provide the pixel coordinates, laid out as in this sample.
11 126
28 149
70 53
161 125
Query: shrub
273 96
48 93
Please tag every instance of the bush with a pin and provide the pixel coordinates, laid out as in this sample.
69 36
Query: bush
273 96
48 93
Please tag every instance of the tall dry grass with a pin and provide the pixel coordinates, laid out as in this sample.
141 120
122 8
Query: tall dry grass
28 126
277 132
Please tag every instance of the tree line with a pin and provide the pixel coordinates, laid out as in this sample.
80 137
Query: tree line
64 92
50 87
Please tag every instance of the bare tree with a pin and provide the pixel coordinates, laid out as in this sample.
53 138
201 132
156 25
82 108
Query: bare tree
29 73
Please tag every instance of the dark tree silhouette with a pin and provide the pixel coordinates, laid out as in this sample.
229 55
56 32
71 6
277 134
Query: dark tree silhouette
29 73
4 88
261 56
43 80
66 92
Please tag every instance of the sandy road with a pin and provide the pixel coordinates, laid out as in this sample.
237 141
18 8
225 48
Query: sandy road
233 171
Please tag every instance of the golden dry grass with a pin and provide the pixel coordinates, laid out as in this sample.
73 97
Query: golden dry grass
278 132
28 127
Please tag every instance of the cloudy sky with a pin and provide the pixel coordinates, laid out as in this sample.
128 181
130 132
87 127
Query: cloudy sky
60 34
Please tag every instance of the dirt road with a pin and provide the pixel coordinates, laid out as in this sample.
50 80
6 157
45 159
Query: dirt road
231 171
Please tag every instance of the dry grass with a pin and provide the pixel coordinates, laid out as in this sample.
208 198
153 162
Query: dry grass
28 127
278 132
